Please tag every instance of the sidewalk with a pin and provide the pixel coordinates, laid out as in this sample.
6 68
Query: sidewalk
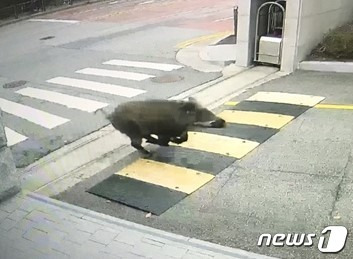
34 226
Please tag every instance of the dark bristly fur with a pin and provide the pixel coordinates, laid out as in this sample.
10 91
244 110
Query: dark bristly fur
169 120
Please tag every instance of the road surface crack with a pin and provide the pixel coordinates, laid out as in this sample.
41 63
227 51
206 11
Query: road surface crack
338 190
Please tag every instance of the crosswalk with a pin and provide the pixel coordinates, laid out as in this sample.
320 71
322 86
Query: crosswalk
157 183
67 96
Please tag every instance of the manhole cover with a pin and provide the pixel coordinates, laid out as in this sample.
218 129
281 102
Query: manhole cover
47 38
14 84
167 79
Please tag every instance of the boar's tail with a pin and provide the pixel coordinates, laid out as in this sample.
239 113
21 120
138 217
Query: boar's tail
106 114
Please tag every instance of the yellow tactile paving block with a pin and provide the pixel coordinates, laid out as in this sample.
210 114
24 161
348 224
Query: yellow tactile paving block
223 145
166 175
269 120
288 98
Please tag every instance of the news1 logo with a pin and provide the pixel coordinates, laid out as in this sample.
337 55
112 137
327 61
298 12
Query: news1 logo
335 242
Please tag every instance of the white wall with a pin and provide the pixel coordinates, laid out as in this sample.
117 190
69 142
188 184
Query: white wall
246 30
306 23
314 19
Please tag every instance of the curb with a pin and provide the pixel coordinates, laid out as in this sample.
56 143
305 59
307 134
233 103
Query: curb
228 251
327 66
203 38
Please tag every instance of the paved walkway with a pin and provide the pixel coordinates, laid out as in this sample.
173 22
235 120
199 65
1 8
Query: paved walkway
36 226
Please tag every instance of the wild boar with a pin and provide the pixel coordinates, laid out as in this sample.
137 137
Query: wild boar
169 120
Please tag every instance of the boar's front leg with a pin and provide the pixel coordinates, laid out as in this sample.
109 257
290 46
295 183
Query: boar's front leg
136 142
180 139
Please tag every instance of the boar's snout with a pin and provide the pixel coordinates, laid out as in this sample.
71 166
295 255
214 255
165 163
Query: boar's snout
218 123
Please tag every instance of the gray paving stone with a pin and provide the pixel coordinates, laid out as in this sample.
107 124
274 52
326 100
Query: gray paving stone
39 216
46 226
56 239
29 205
173 251
121 249
11 204
7 224
78 237
104 255
84 253
36 236
9 182
129 237
223 256
72 218
25 224
93 245
36 254
14 233
199 254
66 247
57 255
17 215
25 245
3 215
88 227
149 239
94 220
147 250
103 236
8 252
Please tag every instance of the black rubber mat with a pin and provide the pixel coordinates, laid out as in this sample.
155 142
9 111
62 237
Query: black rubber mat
157 199
137 194
193 159
248 132
269 107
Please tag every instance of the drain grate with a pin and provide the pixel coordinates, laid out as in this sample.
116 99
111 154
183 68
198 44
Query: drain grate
14 84
167 79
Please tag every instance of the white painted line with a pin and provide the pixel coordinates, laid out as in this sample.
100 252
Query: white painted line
97 87
114 2
13 137
114 73
38 117
288 98
224 19
63 99
53 20
147 2
152 65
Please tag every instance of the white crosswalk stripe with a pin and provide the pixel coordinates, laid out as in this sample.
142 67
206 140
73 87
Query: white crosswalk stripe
114 74
53 20
38 117
72 101
97 86
151 65
13 137
63 99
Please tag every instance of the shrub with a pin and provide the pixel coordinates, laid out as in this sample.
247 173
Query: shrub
337 44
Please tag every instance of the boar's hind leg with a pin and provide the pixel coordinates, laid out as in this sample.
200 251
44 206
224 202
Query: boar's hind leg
161 141
182 138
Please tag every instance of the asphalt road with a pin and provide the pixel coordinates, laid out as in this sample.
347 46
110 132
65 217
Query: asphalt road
298 181
51 59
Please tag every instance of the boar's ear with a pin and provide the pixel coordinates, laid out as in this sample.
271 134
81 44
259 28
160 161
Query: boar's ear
188 107
192 99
